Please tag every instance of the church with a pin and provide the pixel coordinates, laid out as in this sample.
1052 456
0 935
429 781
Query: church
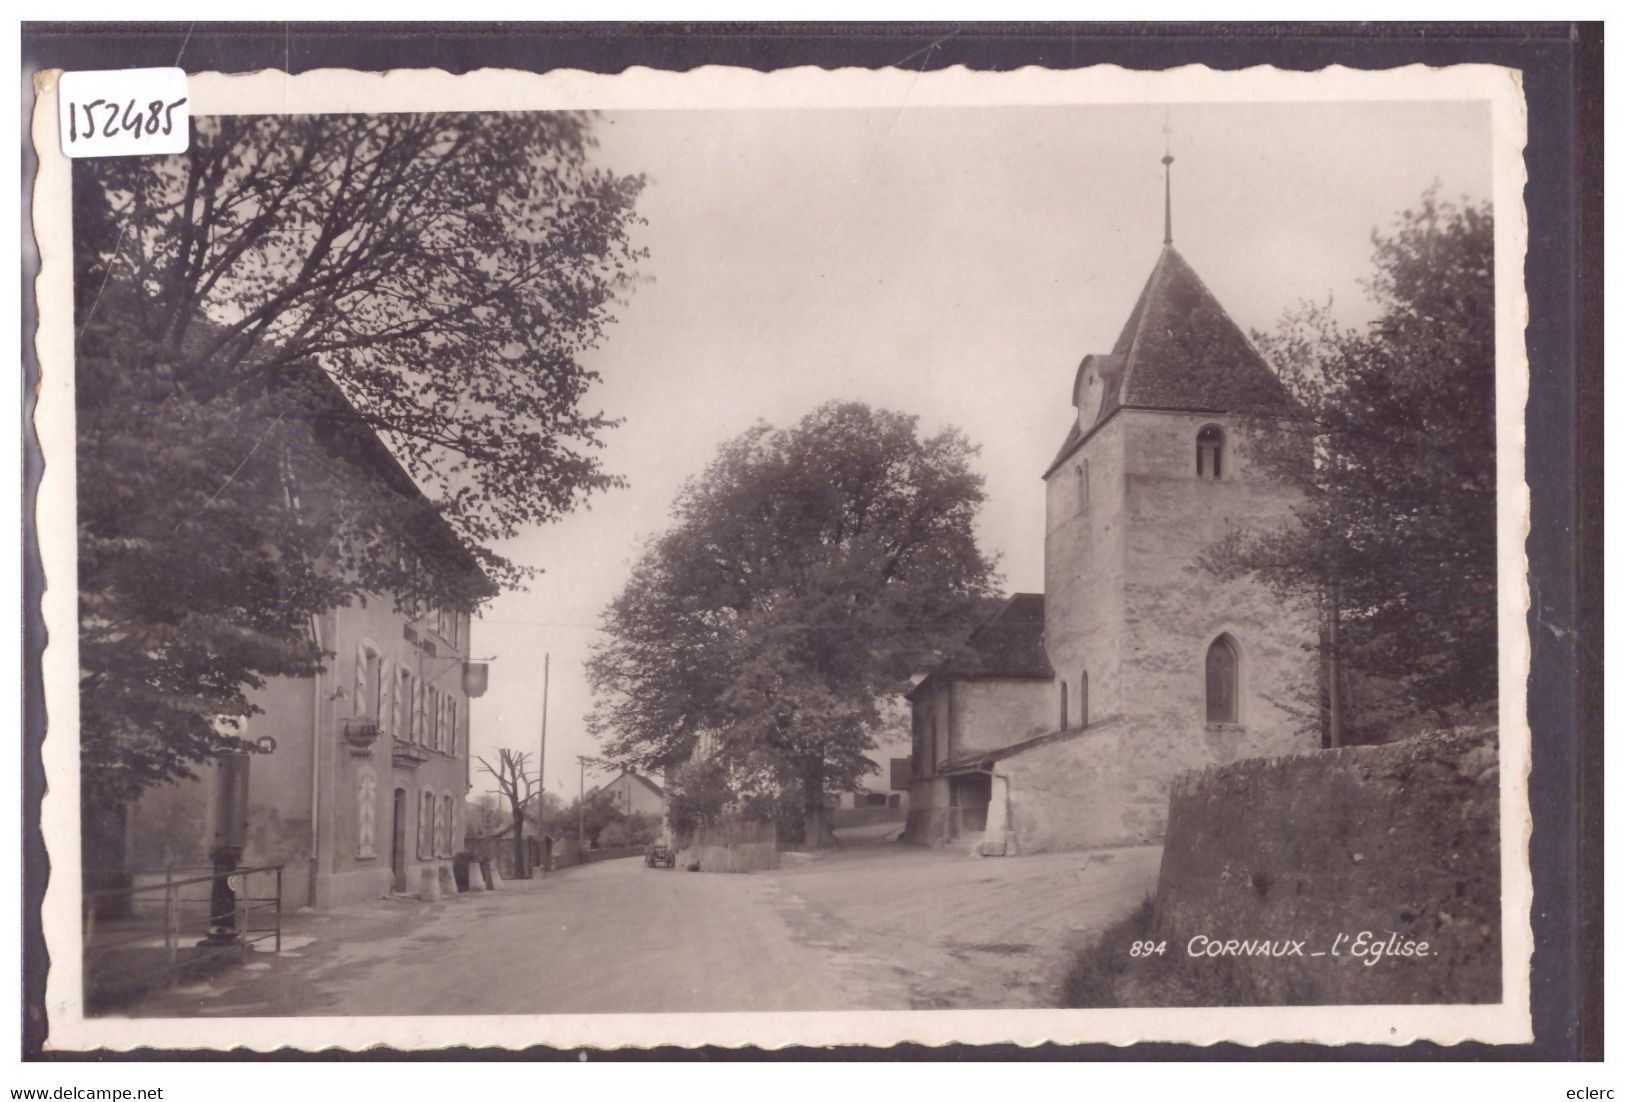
1070 712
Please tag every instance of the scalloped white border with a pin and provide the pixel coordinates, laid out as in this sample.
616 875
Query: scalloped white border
712 87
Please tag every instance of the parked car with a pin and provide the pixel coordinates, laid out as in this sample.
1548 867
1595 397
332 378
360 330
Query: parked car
660 855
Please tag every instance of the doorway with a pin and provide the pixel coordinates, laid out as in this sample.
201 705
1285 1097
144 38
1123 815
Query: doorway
397 843
969 794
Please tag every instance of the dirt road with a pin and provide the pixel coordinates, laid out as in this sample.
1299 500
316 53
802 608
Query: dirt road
868 927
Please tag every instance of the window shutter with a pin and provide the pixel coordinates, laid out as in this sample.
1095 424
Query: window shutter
394 700
386 700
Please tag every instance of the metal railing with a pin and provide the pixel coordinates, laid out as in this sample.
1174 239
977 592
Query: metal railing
125 927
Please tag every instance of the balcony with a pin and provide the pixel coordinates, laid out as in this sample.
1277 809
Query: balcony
408 754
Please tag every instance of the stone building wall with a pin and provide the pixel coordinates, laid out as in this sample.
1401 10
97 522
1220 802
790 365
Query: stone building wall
991 713
352 871
1083 570
1175 608
1108 784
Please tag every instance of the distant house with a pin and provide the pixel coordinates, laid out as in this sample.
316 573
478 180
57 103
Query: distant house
634 794
366 768
888 785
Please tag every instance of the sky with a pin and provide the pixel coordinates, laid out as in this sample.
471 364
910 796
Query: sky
951 263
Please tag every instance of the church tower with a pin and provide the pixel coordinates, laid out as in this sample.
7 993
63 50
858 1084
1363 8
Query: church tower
1077 708
1191 670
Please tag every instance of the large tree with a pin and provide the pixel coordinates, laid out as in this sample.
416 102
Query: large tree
319 356
809 571
517 787
1394 452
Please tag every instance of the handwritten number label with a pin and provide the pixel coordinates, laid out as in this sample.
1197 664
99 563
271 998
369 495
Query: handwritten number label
124 112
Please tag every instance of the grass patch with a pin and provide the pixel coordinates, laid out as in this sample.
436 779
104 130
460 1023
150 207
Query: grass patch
1096 972
1106 974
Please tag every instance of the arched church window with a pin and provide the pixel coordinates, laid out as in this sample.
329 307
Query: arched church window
1210 452
1063 705
1223 691
1083 699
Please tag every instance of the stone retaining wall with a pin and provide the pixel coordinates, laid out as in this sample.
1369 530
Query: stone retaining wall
1399 842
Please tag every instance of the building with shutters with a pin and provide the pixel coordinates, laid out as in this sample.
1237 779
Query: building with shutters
359 788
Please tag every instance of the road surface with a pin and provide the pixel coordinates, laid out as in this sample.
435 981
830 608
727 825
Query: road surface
868 927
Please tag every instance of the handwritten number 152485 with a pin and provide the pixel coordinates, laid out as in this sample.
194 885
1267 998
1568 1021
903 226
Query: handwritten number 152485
157 117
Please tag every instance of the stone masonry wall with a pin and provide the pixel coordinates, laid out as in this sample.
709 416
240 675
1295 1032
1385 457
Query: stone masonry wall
1175 608
1082 789
1083 572
1398 841
994 713
1108 784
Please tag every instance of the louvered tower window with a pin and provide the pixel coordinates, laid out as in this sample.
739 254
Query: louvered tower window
1210 453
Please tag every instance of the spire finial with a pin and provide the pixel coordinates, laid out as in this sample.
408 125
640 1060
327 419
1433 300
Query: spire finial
1167 181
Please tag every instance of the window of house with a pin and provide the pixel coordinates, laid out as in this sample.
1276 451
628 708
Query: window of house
1210 453
451 712
1083 699
403 705
370 689
426 825
431 717
1223 670
445 826
1063 705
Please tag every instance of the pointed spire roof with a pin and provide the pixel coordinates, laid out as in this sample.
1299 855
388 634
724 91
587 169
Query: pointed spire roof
1179 350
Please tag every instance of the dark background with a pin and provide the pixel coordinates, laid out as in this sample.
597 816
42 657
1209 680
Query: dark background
1562 71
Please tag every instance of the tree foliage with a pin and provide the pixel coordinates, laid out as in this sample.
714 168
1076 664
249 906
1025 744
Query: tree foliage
1395 455
808 572
598 821
319 356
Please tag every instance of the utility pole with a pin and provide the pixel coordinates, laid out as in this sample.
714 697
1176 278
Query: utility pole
541 760
1334 703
